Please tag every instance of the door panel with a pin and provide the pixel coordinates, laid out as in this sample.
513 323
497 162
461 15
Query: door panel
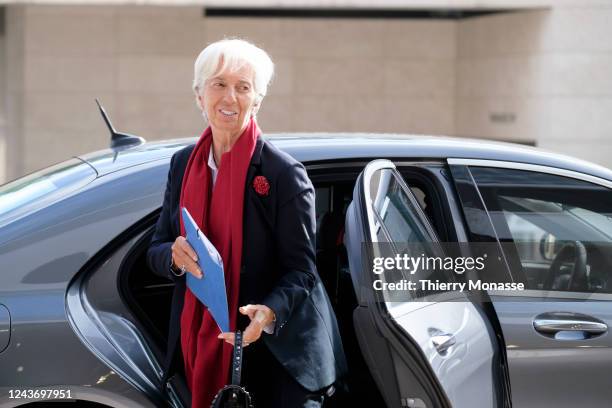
545 372
108 327
456 342
440 351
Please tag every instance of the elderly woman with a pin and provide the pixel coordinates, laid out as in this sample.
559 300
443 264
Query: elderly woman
256 205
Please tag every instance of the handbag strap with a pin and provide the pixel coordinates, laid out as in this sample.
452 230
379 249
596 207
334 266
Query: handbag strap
237 358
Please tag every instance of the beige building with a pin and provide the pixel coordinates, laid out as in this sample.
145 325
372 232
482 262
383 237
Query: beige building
537 72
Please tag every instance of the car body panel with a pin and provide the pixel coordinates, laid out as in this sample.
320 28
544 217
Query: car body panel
110 160
42 252
43 344
25 196
548 372
330 146
5 327
64 237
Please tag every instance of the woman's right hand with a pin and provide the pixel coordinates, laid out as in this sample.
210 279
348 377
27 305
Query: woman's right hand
184 257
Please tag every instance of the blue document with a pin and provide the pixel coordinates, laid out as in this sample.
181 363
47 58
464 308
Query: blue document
210 290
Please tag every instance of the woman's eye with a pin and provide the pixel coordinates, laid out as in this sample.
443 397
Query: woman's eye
244 88
218 84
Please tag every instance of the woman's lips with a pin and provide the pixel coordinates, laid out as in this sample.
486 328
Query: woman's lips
227 112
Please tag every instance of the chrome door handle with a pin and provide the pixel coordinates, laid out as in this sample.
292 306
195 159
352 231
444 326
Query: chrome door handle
549 324
443 341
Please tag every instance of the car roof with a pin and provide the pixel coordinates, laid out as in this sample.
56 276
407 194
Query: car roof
317 147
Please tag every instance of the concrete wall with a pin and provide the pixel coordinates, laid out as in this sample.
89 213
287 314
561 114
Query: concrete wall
542 76
137 61
371 75
13 62
3 95
539 76
374 75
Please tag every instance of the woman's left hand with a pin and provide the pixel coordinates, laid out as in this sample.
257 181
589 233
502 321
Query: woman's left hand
260 315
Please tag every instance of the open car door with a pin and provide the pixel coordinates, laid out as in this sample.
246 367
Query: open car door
421 351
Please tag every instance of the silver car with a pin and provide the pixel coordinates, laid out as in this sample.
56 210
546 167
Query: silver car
83 319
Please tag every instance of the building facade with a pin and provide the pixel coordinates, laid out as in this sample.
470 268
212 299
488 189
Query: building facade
523 71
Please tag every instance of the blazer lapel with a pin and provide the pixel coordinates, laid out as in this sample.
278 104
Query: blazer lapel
250 196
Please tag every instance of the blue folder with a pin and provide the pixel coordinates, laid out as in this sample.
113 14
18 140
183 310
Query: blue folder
210 290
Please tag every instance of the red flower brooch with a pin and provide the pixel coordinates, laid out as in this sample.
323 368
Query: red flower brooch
261 186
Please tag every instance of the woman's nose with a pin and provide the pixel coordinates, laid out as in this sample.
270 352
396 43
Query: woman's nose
230 94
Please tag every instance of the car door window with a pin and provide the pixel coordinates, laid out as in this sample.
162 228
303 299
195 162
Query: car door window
395 211
401 227
559 228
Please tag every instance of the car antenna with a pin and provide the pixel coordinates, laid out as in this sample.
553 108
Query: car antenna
119 140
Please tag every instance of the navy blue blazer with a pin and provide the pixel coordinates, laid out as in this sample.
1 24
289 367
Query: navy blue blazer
278 266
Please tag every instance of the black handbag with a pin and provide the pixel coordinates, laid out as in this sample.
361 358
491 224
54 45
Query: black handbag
233 395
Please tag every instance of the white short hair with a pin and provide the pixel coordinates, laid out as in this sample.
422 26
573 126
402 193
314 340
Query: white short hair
233 54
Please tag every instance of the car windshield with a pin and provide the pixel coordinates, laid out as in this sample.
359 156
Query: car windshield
34 191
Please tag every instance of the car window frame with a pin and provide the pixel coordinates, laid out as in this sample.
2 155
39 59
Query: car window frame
499 164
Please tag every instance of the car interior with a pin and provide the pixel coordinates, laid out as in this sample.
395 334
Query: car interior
555 239
149 296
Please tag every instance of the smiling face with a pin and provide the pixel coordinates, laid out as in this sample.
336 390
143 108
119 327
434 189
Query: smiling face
229 100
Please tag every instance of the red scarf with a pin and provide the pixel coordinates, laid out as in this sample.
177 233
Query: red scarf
218 213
